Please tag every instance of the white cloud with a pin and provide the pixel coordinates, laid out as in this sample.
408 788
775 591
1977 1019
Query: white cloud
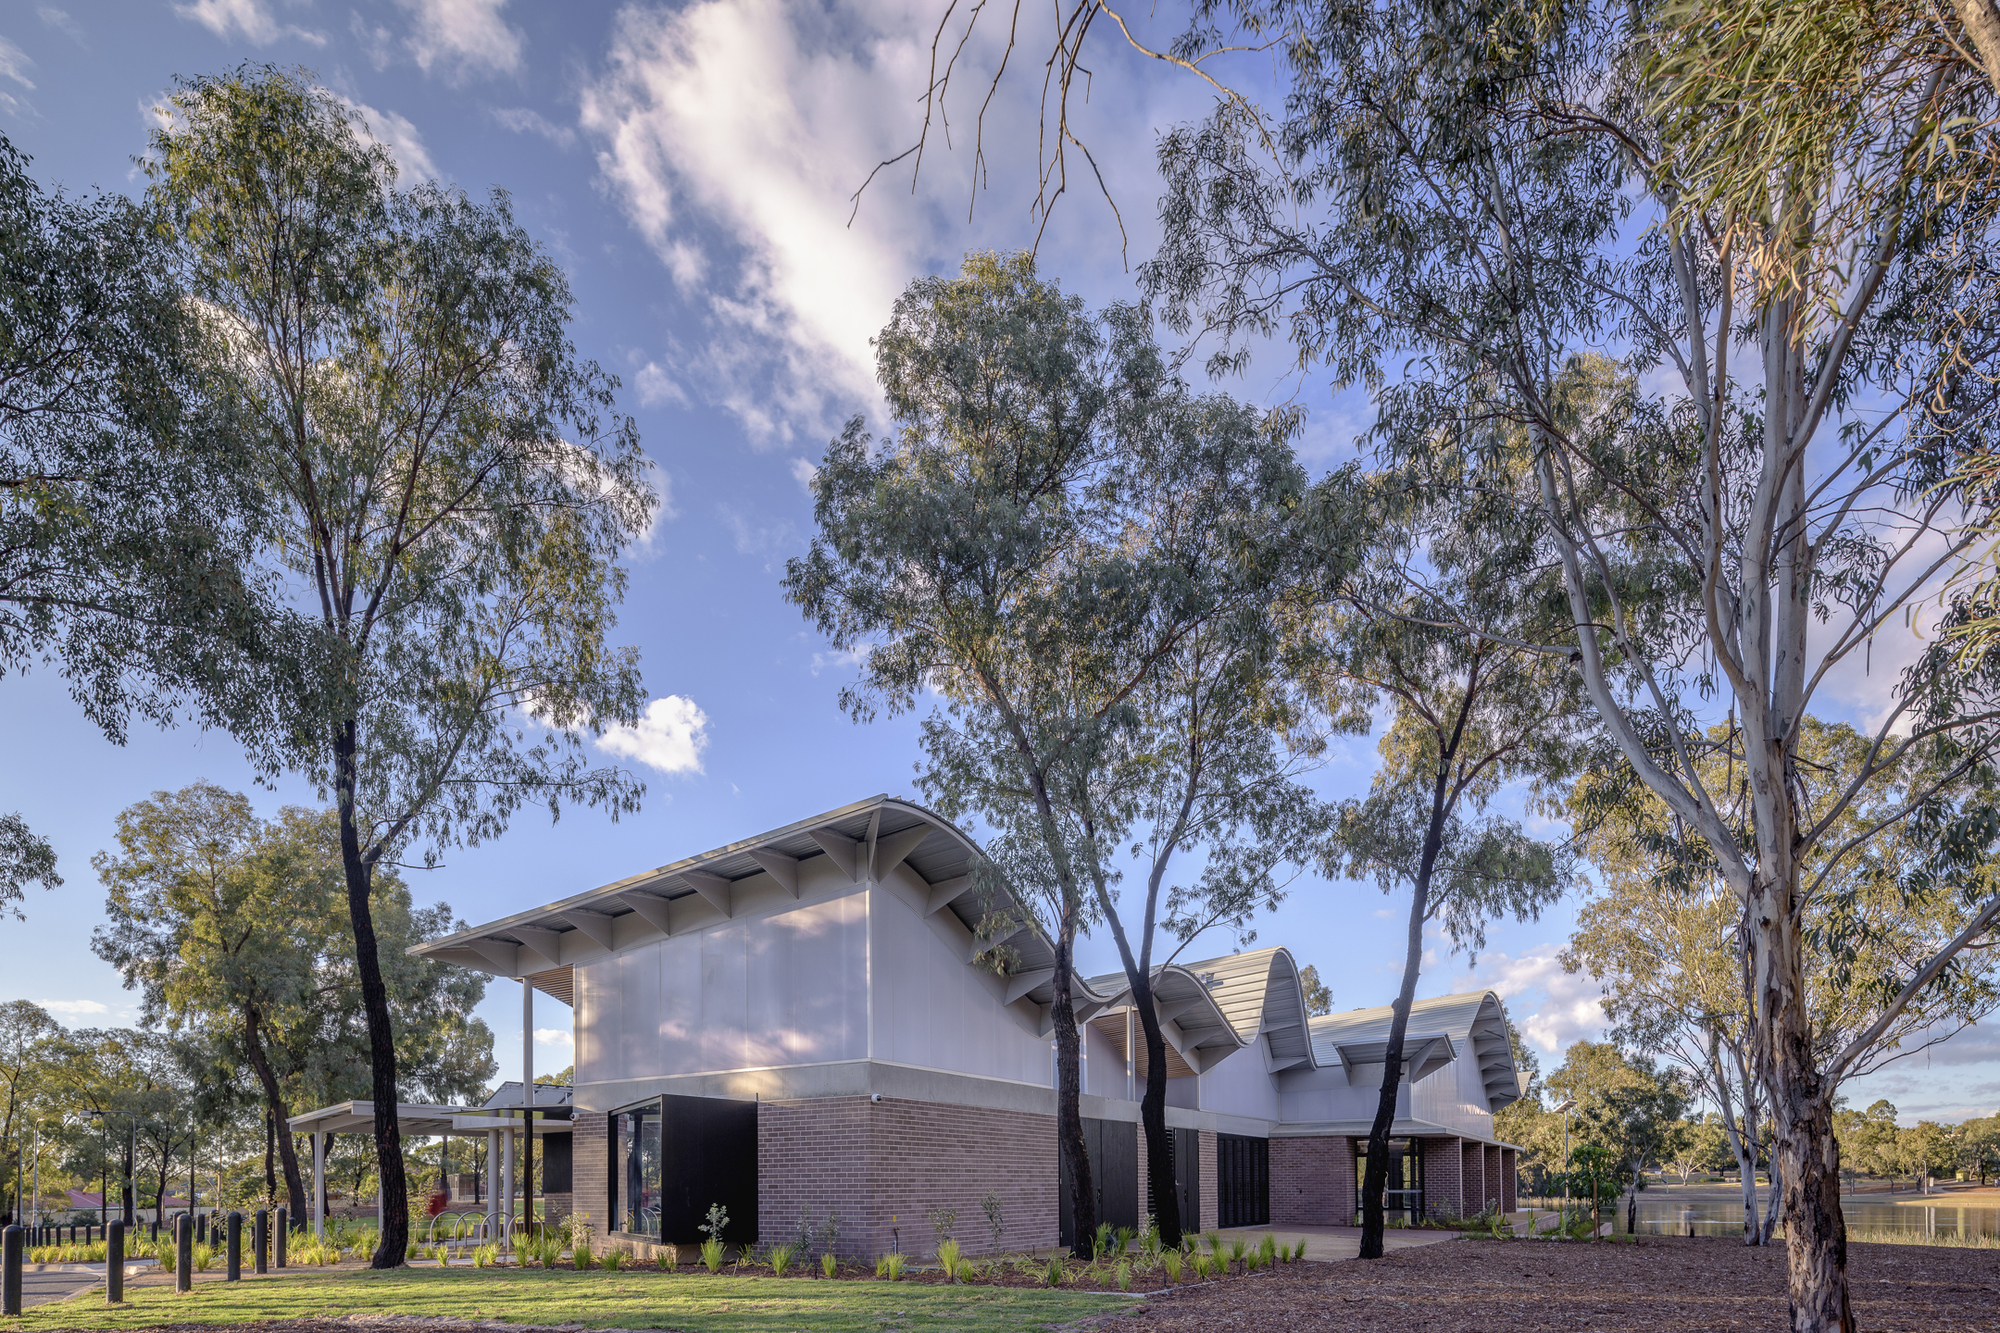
657 387
733 133
14 63
844 657
670 736
75 1008
401 138
803 472
61 21
1551 1007
462 36
249 18
526 120
755 536
554 1037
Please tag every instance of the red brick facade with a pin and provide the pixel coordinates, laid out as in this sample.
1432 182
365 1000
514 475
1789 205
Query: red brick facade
894 1159
1312 1181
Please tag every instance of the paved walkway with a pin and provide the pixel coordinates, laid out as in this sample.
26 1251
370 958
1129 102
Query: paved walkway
42 1283
1327 1244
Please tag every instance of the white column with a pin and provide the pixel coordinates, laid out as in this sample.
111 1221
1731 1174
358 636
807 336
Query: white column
527 1042
492 1172
1131 1065
507 1184
319 1186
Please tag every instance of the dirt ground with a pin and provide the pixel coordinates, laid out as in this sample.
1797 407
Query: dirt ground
1658 1285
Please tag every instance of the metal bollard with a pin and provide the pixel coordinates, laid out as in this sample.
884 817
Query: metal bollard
260 1240
184 1253
235 1240
114 1264
284 1229
10 1270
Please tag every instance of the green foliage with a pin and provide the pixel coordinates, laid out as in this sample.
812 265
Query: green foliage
942 1221
1053 1272
711 1255
828 1263
716 1222
890 1266
1267 1248
444 477
949 1254
991 1206
1100 1242
1299 1251
780 1259
1122 1275
1171 1260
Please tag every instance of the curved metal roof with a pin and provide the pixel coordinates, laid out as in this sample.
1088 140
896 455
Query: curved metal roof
1221 1005
866 840
1473 1022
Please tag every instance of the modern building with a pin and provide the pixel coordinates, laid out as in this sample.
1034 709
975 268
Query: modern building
848 1018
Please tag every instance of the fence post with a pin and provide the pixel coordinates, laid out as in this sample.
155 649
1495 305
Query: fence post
260 1238
284 1226
234 1239
184 1253
114 1263
10 1271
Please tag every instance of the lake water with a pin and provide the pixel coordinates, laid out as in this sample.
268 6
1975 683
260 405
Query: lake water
1713 1216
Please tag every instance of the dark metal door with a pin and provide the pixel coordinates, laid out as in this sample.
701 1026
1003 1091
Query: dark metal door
1242 1181
1113 1149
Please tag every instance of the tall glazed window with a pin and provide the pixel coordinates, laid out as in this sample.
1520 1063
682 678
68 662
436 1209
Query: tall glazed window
635 1170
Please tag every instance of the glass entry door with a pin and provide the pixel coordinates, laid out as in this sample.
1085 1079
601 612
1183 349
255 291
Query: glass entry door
1404 1195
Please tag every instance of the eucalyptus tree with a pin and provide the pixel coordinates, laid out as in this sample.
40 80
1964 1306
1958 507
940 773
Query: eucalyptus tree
1200 534
125 533
448 485
1469 711
966 555
1662 932
1481 189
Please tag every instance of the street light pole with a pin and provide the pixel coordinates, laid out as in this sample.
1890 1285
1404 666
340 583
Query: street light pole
1567 1105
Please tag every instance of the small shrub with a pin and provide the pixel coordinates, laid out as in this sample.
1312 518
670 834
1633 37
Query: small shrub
948 1256
204 1256
1122 1241
780 1258
1253 1261
1237 1249
1267 1249
718 1218
1214 1239
1299 1251
827 1263
991 1206
1100 1244
1124 1276
890 1266
942 1222
711 1255
1052 1272
1204 1264
614 1258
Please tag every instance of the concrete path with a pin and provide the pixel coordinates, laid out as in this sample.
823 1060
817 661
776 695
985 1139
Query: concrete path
42 1283
1327 1244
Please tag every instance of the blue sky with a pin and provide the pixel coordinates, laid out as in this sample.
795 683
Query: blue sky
693 166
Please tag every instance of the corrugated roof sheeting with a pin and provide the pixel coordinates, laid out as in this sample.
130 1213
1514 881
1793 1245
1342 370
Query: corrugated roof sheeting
1474 1021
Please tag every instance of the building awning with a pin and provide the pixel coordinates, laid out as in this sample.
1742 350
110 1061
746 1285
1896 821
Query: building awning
358 1117
1402 1127
1423 1055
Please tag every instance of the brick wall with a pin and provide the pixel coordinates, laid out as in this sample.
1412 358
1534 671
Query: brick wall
590 1165
1509 1181
1444 1166
1211 1191
1312 1181
874 1161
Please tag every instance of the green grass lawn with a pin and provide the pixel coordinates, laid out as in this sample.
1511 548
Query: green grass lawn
699 1303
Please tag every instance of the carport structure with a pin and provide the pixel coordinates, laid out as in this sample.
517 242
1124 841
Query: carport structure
501 1125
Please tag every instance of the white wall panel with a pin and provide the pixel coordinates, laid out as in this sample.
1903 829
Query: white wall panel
784 989
932 1010
1240 1085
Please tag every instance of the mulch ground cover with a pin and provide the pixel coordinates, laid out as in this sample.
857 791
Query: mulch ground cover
1657 1285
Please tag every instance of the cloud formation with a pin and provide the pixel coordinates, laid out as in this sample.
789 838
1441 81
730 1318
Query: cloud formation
249 19
462 37
401 138
670 736
1551 1007
75 1008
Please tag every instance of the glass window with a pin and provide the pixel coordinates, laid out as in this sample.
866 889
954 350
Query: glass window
635 1170
1405 1188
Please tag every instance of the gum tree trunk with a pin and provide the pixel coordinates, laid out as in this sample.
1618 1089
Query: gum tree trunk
1069 1108
276 1113
395 1233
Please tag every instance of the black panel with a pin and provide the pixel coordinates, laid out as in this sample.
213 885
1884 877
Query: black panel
1242 1181
708 1149
555 1163
1187 1177
1113 1149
